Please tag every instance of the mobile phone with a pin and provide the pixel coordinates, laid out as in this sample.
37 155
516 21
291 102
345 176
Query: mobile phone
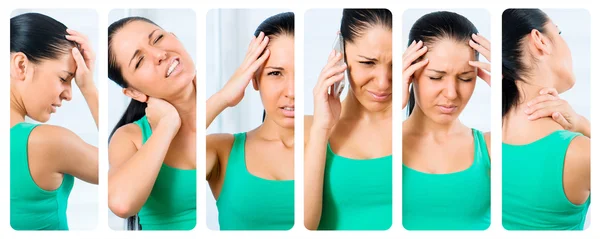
338 46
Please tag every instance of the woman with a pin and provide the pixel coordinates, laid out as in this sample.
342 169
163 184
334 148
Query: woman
45 57
447 188
152 150
546 145
348 180
251 174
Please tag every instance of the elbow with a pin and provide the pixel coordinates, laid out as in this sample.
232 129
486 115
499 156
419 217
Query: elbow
120 207
311 222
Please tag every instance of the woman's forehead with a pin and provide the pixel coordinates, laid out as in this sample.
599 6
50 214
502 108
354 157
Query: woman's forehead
126 40
281 52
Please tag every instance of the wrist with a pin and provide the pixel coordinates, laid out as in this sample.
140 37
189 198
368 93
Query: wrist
88 90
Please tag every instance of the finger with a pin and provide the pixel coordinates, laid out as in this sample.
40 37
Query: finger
560 119
480 49
410 58
483 65
79 59
413 68
542 105
412 48
540 99
257 41
83 43
261 60
549 90
482 40
76 33
540 114
253 56
332 62
333 71
332 80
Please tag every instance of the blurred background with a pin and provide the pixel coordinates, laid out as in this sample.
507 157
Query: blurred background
82 210
228 34
182 22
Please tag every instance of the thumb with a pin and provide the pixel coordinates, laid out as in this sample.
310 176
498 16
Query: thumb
79 59
560 119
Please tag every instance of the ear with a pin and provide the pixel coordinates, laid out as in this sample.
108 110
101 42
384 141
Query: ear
19 64
134 94
255 81
539 43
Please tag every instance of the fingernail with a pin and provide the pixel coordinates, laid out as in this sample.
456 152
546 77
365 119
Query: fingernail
332 53
266 38
344 64
413 42
420 41
473 35
337 54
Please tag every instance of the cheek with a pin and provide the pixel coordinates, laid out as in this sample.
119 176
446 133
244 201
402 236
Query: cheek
360 75
466 90
269 91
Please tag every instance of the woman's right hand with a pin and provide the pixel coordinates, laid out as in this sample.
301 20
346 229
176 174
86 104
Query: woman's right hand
328 107
233 91
161 112
412 53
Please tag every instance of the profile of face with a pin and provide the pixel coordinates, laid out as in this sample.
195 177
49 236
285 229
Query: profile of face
559 58
43 85
369 60
444 86
275 81
153 61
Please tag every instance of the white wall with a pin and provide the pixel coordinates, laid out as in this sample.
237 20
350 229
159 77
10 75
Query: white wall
228 33
82 210
576 28
182 22
477 113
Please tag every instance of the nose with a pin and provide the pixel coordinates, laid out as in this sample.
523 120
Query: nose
159 54
66 94
289 89
384 78
450 89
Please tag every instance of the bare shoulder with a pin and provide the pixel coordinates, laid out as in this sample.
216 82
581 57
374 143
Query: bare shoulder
219 142
127 133
45 137
579 151
308 120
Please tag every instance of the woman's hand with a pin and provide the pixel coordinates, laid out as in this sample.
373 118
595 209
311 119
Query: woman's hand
328 107
160 112
233 91
482 45
412 53
549 104
85 60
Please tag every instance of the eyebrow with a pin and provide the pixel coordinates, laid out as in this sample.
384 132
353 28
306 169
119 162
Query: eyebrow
368 58
137 52
443 72
71 74
275 67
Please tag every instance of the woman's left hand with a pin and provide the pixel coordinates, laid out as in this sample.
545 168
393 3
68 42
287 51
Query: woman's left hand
482 45
549 104
85 60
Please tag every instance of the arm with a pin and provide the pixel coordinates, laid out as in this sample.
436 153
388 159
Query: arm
66 151
133 172
315 149
576 171
91 97
214 106
488 142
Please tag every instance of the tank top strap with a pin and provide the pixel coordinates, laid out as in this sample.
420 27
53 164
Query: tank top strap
145 127
482 155
236 160
19 164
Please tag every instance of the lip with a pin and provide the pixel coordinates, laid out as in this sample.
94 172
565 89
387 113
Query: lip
54 107
177 69
379 96
288 113
447 109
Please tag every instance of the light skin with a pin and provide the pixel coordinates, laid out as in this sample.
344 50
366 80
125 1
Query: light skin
37 90
366 112
540 110
147 54
442 86
269 149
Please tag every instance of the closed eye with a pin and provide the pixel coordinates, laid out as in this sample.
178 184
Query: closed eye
63 80
466 80
139 62
367 62
158 38
435 78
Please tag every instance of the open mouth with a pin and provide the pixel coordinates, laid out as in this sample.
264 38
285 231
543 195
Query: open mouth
288 111
172 67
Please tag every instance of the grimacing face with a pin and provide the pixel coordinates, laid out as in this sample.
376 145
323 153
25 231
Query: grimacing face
445 85
46 85
152 60
369 60
275 81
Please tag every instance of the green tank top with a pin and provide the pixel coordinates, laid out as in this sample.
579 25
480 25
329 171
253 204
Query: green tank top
452 201
33 208
172 201
357 193
533 197
248 202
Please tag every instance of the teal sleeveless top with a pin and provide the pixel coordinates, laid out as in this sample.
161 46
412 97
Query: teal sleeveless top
533 197
452 201
33 208
172 202
357 193
248 202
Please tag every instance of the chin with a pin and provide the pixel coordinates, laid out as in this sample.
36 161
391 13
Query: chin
43 118
286 122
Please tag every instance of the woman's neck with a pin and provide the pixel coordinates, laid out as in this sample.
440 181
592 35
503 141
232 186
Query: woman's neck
17 109
271 131
419 122
185 104
353 110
